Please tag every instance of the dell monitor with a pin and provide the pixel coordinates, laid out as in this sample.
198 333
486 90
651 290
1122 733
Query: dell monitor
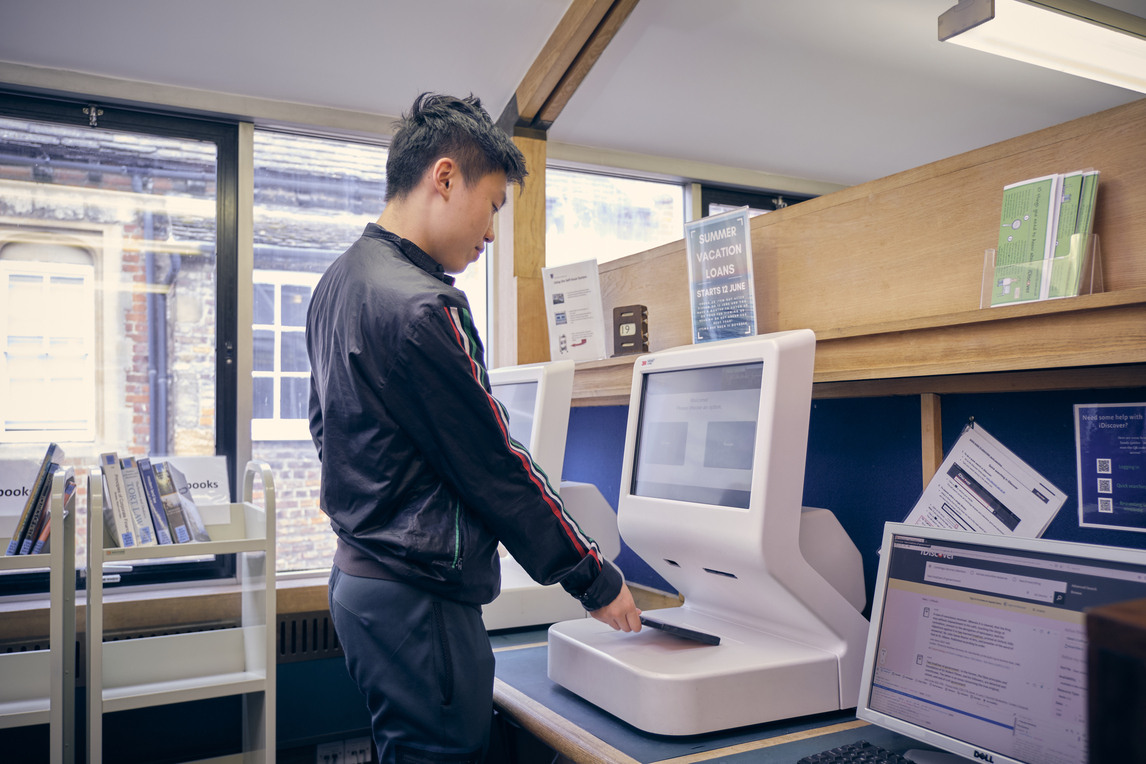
711 498
536 399
978 643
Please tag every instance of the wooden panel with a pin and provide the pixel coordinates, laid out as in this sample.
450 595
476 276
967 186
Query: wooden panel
888 273
532 331
529 211
931 434
531 335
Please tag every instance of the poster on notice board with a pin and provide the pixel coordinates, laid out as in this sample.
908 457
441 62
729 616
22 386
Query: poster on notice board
1110 445
721 289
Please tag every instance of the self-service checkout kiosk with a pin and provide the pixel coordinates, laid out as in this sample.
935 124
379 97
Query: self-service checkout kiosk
711 494
537 399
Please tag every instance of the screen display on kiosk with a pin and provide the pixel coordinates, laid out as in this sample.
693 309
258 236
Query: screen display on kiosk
697 434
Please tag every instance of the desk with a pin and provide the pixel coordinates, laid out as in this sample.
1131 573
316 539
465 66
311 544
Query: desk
581 732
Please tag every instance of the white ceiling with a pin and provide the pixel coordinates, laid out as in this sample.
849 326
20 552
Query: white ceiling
836 91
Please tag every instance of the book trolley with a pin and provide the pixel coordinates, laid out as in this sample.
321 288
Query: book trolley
39 685
208 663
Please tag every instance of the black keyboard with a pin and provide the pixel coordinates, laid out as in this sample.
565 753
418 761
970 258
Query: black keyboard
859 752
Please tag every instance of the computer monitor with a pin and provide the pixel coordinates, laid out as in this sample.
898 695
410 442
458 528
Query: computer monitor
711 498
978 644
537 398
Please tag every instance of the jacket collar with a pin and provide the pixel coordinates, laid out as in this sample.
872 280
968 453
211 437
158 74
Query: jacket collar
412 251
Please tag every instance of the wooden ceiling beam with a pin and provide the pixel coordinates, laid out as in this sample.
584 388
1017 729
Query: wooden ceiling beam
570 52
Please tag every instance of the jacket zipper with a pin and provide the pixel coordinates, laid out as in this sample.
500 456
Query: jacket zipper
457 534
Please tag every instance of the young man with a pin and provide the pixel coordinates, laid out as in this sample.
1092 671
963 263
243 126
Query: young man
419 476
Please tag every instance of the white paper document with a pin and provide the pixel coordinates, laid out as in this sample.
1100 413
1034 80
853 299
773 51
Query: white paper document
981 486
576 317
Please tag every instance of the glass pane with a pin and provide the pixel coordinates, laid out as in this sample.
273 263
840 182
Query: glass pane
264 398
313 197
108 253
264 308
264 342
295 395
295 301
294 352
604 217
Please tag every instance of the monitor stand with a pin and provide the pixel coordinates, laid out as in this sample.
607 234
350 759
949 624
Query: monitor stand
524 602
763 669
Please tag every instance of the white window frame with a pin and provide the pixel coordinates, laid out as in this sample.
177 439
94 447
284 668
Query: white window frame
277 428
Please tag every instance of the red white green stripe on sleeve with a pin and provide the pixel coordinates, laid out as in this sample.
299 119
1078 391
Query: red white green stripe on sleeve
462 324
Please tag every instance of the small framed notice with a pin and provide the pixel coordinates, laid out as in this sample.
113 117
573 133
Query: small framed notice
721 289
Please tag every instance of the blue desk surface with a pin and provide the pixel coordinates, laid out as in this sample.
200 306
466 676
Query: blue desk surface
599 736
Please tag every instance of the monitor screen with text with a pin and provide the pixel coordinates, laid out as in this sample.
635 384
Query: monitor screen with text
985 644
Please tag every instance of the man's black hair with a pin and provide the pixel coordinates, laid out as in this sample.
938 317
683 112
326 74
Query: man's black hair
444 126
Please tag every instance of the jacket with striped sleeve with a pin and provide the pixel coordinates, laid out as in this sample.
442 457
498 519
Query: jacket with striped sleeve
420 477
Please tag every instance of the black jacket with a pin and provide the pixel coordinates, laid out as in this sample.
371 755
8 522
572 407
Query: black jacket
419 475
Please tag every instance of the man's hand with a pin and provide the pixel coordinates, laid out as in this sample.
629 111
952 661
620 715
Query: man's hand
621 614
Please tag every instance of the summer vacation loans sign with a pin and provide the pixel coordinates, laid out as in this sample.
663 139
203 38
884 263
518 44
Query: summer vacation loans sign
720 277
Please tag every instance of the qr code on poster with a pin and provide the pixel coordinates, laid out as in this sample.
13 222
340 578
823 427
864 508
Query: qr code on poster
1106 505
1103 466
1105 485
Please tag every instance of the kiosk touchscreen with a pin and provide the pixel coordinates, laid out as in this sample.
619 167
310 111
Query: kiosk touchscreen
711 491
978 642
536 398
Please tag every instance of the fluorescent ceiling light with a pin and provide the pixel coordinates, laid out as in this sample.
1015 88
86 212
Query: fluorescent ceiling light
1074 36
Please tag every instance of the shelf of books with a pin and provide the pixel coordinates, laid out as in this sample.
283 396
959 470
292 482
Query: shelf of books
38 686
141 522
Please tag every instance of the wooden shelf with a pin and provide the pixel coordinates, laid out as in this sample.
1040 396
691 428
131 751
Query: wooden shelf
1083 342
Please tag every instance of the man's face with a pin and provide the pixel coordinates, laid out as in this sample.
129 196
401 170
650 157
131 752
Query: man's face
471 208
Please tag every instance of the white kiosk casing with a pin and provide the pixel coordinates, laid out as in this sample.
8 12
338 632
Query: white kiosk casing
537 399
711 493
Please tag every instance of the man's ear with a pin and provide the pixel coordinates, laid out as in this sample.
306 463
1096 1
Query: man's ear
444 174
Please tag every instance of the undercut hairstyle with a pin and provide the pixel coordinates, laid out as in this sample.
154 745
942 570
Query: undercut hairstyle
444 126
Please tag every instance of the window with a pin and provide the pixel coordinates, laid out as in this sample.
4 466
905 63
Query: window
313 198
47 368
281 369
715 200
604 217
117 270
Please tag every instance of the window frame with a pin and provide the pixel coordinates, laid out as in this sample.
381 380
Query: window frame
762 200
277 428
224 134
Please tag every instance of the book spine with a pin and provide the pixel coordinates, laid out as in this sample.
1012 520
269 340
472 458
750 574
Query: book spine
38 513
169 498
115 495
154 502
137 502
45 530
53 454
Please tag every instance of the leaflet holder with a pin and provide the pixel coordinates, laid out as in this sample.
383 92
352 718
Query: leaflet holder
1077 273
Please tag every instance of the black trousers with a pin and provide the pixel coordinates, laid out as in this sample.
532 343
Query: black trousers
423 663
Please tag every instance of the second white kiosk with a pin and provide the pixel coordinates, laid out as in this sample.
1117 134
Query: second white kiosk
711 498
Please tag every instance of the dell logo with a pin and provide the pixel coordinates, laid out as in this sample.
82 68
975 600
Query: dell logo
983 756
